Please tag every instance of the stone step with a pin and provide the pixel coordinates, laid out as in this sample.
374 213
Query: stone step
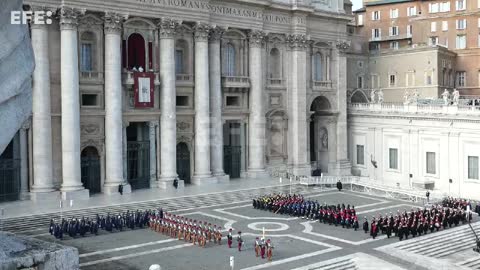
447 247
457 250
441 243
334 264
340 266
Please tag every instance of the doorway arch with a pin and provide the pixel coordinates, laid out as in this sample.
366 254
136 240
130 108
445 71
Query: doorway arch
91 169
183 162
321 110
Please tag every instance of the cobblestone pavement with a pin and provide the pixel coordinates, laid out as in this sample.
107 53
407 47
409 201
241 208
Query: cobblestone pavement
299 243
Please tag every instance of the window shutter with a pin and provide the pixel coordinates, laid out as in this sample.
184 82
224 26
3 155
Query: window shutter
373 15
373 33
390 31
380 33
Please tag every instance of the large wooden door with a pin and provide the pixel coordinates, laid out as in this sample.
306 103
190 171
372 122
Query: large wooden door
91 170
183 162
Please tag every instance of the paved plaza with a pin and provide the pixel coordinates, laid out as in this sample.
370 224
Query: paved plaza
298 243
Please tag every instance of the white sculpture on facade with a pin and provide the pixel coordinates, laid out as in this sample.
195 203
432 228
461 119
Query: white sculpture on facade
406 98
456 96
415 96
380 96
372 96
445 96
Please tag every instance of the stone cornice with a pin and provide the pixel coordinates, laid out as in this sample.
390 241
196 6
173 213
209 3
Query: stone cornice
256 38
216 33
411 117
201 31
167 27
297 41
69 17
113 22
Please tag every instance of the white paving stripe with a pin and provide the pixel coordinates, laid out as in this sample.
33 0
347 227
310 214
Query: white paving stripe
116 258
309 230
126 248
386 207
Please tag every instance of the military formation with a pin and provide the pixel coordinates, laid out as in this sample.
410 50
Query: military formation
296 205
182 228
450 213
74 227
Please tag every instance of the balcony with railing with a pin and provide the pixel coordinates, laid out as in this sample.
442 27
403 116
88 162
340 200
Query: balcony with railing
276 82
184 79
91 77
462 109
236 81
127 77
322 85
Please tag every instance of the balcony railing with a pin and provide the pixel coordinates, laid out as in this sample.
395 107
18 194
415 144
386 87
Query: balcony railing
236 81
127 77
91 76
322 85
184 79
275 81
435 108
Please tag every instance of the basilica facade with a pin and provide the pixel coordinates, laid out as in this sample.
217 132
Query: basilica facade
202 91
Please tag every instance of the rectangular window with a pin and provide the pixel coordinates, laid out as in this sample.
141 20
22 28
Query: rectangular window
444 25
86 57
461 24
374 80
179 62
393 158
393 31
461 42
432 41
460 4
433 7
376 34
375 15
233 101
360 19
433 26
360 155
394 13
394 45
472 167
392 80
428 78
461 78
412 11
182 101
360 82
445 7
89 100
431 163
409 30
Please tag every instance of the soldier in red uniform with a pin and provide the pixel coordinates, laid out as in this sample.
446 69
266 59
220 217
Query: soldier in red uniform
239 241
269 250
229 238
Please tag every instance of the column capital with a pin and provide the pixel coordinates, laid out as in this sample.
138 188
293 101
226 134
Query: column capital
297 41
342 45
256 38
113 22
69 17
216 33
27 124
168 27
201 31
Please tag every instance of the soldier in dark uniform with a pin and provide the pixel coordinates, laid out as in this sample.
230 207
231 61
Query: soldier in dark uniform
365 225
239 241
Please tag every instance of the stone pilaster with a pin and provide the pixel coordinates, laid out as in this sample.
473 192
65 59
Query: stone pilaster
72 183
343 165
152 130
168 131
41 115
202 171
257 121
298 111
24 160
113 104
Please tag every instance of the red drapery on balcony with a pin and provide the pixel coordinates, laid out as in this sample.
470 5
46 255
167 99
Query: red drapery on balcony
136 51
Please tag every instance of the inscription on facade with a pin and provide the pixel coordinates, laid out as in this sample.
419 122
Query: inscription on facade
221 10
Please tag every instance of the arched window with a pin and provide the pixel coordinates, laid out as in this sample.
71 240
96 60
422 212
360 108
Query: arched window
136 51
317 63
229 67
275 64
87 44
181 51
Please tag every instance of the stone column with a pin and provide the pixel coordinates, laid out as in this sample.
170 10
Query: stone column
168 129
343 164
298 111
243 155
152 130
125 124
24 195
216 124
113 105
41 115
202 171
257 123
72 183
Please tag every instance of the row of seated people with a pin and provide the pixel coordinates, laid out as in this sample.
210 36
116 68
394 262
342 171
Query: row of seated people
416 222
180 227
75 226
296 205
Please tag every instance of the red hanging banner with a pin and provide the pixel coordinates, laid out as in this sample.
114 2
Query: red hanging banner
144 89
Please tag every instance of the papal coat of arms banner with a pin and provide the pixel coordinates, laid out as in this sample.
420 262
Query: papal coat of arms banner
144 89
